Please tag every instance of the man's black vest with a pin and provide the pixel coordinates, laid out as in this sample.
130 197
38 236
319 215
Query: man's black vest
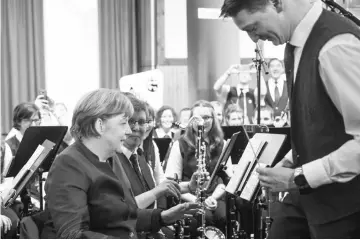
317 127
232 97
281 104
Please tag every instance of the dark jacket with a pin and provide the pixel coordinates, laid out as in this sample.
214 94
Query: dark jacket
85 199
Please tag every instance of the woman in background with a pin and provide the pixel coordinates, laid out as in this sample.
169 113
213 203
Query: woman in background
182 160
25 115
165 118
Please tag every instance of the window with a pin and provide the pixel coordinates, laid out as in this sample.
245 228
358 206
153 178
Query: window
71 49
172 32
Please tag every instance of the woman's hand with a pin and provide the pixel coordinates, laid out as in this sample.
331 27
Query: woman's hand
176 213
211 203
203 177
5 223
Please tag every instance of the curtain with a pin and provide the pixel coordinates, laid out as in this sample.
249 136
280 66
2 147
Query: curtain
124 39
22 55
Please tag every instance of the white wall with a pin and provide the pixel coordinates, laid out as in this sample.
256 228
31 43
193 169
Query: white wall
71 49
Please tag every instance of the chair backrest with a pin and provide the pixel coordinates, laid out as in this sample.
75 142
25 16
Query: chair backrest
28 229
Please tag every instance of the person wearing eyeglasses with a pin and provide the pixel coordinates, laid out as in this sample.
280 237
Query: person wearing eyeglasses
149 185
24 115
182 161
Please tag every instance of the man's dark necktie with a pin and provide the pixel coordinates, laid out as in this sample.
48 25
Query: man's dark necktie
134 161
277 93
289 59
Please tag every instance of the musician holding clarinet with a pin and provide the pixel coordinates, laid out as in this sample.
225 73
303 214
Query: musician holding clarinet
322 67
183 160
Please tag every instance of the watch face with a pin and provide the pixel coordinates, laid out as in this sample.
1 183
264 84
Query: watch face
300 180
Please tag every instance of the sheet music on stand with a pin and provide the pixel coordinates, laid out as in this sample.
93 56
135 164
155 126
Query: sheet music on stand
27 171
245 181
245 165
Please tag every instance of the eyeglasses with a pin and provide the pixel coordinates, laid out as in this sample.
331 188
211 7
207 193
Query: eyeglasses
36 120
207 118
141 122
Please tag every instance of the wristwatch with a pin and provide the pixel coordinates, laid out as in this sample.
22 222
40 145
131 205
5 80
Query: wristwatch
300 180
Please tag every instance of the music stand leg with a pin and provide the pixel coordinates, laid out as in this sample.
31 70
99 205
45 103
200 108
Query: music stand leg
40 172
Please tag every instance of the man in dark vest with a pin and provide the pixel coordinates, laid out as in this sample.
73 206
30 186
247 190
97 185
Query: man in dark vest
240 94
277 94
322 67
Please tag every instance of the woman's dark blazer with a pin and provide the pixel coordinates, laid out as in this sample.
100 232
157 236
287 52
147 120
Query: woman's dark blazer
85 199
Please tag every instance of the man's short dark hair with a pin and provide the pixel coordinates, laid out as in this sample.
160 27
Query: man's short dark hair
138 104
231 8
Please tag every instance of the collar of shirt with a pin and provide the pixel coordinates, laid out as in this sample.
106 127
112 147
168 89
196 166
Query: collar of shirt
14 132
280 84
128 153
244 89
280 81
303 29
161 133
87 152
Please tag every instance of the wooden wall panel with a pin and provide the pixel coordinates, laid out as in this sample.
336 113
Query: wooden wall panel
176 92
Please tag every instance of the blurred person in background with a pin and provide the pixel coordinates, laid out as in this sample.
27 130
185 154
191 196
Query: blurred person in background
266 116
165 118
234 115
218 107
184 116
277 94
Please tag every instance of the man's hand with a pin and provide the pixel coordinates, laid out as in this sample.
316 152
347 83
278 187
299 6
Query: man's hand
233 69
167 187
176 213
277 179
41 102
286 163
211 203
5 223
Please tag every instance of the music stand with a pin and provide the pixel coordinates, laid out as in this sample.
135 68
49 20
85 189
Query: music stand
248 187
163 146
221 163
287 144
33 137
242 141
28 170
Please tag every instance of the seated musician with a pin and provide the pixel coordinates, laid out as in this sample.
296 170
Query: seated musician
84 197
8 217
183 162
150 187
24 115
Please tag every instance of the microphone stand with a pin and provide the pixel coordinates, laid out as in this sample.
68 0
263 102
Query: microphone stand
259 63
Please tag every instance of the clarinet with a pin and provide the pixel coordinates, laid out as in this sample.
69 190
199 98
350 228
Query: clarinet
201 169
179 224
